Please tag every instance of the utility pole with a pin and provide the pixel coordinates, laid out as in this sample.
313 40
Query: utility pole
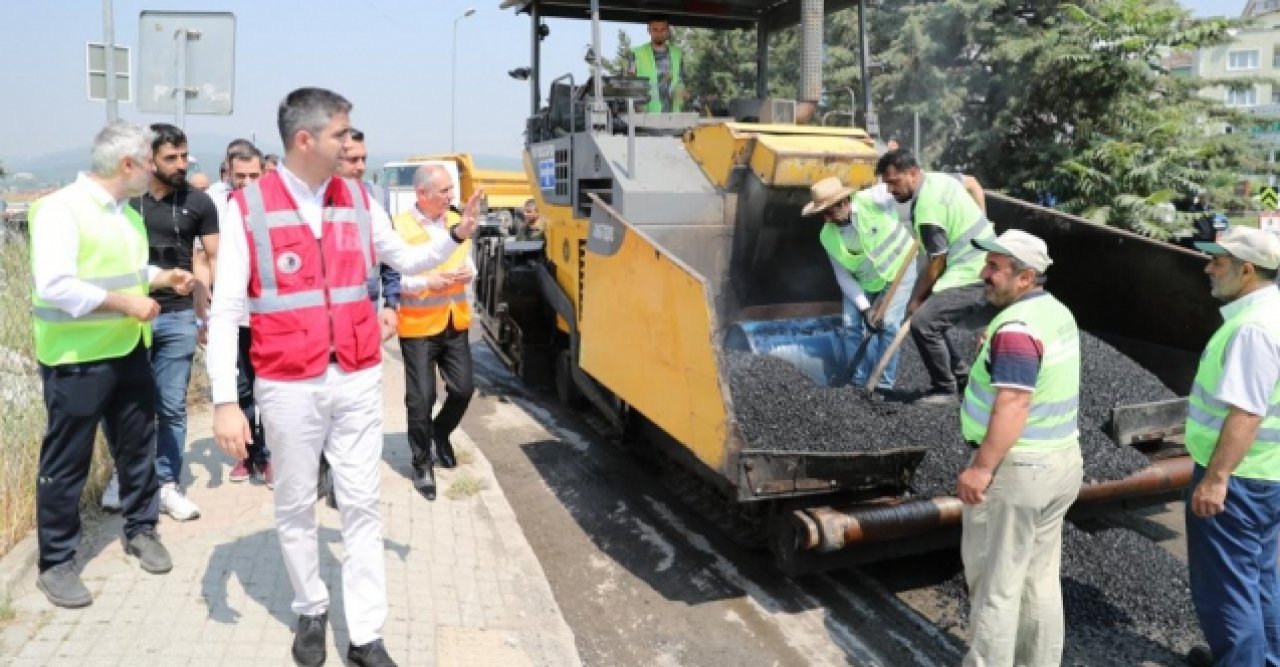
109 54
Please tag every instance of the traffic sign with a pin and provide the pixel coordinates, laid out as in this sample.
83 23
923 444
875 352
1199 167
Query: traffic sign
1268 198
96 71
1269 221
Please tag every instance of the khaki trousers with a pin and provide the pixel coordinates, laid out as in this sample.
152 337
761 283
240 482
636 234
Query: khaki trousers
1012 548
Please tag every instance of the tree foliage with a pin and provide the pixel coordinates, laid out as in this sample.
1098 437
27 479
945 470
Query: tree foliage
1071 101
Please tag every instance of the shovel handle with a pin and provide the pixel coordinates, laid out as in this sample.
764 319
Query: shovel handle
888 354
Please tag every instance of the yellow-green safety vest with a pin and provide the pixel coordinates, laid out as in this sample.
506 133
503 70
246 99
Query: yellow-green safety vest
942 200
647 67
1051 424
885 243
113 256
1206 413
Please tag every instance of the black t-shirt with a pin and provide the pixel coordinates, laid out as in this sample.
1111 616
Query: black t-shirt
173 225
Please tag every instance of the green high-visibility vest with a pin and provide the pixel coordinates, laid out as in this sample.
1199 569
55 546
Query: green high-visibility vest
885 243
647 67
1051 423
1206 413
942 200
113 256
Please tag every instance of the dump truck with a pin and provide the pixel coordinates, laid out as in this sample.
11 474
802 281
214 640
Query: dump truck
505 191
672 237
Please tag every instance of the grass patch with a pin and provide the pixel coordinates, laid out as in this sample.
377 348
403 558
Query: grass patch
7 612
22 421
465 455
465 486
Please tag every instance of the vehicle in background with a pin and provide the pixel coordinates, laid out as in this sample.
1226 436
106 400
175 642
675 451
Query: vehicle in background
505 191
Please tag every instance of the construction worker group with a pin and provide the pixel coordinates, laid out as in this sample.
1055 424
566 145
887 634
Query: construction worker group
131 273
125 262
1018 404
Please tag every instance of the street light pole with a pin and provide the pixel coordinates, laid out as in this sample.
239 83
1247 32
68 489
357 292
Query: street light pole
109 54
453 82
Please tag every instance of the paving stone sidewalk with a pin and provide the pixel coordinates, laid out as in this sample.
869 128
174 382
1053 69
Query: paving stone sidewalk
464 586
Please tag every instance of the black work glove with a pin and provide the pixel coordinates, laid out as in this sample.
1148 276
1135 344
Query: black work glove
872 326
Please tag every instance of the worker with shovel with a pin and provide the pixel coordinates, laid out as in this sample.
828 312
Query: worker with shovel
872 255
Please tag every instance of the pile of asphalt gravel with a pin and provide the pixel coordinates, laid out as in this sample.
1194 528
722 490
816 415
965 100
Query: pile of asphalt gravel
1126 600
779 409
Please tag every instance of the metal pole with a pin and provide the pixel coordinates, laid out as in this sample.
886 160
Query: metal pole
453 82
915 132
180 105
1271 168
869 120
762 60
453 89
598 88
109 52
535 58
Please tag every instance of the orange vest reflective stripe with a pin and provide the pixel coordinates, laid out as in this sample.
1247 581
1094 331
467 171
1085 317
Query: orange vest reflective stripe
427 313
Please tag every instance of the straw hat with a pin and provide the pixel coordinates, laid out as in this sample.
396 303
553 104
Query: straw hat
826 193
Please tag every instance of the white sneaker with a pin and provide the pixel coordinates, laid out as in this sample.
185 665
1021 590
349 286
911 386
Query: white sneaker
177 505
111 494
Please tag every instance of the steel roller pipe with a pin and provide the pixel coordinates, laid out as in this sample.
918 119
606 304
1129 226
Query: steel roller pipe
826 529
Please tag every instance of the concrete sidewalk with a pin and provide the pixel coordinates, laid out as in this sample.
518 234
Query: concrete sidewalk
464 586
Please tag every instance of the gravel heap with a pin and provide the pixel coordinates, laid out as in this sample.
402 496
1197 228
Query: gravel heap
780 409
1126 600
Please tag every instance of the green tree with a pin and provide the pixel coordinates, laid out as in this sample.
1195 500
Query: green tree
1071 100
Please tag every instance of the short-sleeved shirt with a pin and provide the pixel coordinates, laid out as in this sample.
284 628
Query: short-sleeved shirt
173 225
1015 354
1251 363
932 236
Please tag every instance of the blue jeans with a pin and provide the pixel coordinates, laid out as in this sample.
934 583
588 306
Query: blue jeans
881 340
173 345
1231 558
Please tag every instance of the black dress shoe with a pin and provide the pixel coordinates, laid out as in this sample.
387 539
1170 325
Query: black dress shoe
424 481
444 453
308 640
373 654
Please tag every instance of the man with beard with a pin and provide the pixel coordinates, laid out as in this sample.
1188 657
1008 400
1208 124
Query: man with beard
91 314
948 291
1233 435
1019 415
175 215
661 62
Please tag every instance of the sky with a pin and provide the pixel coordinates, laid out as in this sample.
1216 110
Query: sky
391 58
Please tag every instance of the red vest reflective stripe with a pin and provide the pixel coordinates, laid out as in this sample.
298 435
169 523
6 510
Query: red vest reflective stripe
307 296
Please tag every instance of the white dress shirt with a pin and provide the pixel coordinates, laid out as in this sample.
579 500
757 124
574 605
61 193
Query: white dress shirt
230 300
55 248
1251 364
435 229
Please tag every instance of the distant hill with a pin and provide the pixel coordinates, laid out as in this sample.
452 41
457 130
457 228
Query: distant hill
61 167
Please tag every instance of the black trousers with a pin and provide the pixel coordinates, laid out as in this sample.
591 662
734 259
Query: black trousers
963 307
258 451
120 394
449 350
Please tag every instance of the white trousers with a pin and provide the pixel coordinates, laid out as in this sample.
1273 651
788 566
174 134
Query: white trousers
340 414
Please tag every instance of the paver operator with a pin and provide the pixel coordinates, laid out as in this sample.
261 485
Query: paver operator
662 63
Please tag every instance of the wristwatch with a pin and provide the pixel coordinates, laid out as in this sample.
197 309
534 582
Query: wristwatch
453 234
